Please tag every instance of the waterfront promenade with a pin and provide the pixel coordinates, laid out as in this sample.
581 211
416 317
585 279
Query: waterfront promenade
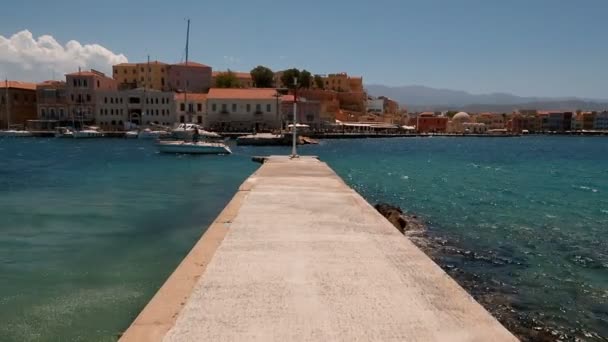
297 255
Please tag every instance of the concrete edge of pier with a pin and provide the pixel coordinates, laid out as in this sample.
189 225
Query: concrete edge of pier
160 314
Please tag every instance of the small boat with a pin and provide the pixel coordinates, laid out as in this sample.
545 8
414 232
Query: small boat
63 132
188 147
90 132
11 133
150 134
131 134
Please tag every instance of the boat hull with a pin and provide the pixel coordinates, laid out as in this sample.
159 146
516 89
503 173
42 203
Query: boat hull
15 134
192 148
87 134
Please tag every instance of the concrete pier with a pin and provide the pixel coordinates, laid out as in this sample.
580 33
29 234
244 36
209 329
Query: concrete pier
297 255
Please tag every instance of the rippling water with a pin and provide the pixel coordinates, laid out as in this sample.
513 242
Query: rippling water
90 229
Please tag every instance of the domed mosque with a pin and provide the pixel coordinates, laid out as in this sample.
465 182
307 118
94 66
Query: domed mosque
456 124
461 117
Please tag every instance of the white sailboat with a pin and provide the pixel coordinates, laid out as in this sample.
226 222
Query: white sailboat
11 133
185 129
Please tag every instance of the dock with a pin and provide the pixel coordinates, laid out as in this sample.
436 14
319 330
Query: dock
297 255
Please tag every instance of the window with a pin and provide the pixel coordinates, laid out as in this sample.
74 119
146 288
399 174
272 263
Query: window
248 108
97 83
84 83
258 107
157 112
105 99
74 82
199 119
214 107
157 100
121 100
162 81
43 112
234 107
72 97
182 107
142 69
16 97
61 113
111 100
224 107
88 97
199 107
142 78
190 107
112 111
268 107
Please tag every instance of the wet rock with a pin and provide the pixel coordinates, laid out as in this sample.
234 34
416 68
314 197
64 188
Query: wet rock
406 224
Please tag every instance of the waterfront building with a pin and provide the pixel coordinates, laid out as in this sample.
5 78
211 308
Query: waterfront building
330 104
150 75
491 120
456 124
191 107
341 82
192 77
82 89
244 78
601 121
308 112
375 106
52 109
588 120
129 109
428 122
577 122
474 128
21 103
543 121
558 121
235 109
389 105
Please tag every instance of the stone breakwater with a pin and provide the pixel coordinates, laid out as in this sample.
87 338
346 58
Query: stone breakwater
497 297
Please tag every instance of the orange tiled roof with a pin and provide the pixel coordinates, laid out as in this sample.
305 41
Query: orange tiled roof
194 64
18 85
84 73
238 74
244 94
191 96
126 64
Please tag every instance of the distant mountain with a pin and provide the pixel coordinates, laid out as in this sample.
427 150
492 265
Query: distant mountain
425 98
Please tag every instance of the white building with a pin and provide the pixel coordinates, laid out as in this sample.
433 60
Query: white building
243 109
375 106
190 107
119 110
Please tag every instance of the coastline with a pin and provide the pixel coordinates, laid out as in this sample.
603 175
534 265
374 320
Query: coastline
499 298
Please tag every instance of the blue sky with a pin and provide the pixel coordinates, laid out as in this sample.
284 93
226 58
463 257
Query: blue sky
531 48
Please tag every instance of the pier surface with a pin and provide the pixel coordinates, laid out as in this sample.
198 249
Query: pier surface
297 255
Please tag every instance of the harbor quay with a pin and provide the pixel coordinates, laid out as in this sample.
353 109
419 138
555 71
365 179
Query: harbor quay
297 255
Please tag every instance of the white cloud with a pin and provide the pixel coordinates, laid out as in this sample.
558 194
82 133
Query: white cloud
24 58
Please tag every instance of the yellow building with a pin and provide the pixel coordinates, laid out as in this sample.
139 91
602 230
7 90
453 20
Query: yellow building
341 82
152 75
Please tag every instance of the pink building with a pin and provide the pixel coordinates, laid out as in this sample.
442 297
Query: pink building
192 77
308 112
81 89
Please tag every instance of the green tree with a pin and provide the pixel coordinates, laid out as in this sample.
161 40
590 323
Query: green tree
262 77
227 80
305 79
319 82
288 75
450 113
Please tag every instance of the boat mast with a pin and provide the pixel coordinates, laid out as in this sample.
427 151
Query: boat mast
8 114
186 86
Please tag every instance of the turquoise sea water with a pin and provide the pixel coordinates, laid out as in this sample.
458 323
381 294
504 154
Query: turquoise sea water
90 229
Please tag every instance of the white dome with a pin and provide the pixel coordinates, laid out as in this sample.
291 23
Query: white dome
462 117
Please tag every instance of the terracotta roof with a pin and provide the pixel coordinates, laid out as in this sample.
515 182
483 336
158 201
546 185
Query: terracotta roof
18 85
287 98
245 94
191 96
238 74
86 73
126 64
51 82
194 64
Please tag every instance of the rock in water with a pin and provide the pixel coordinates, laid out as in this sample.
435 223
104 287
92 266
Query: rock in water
404 223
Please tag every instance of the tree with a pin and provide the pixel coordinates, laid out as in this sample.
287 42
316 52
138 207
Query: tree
227 80
305 79
288 75
319 82
262 77
450 113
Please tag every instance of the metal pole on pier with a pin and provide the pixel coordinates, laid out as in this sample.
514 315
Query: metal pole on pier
294 152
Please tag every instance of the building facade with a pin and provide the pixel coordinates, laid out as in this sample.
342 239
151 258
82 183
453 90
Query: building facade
192 77
82 89
243 109
190 107
129 109
150 75
18 104
491 120
601 121
375 106
429 123
308 111
52 101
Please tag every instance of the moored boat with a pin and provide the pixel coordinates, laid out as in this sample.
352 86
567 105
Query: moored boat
188 147
152 134
63 132
90 132
11 133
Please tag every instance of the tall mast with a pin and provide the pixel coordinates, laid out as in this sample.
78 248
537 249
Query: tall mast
8 115
186 86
